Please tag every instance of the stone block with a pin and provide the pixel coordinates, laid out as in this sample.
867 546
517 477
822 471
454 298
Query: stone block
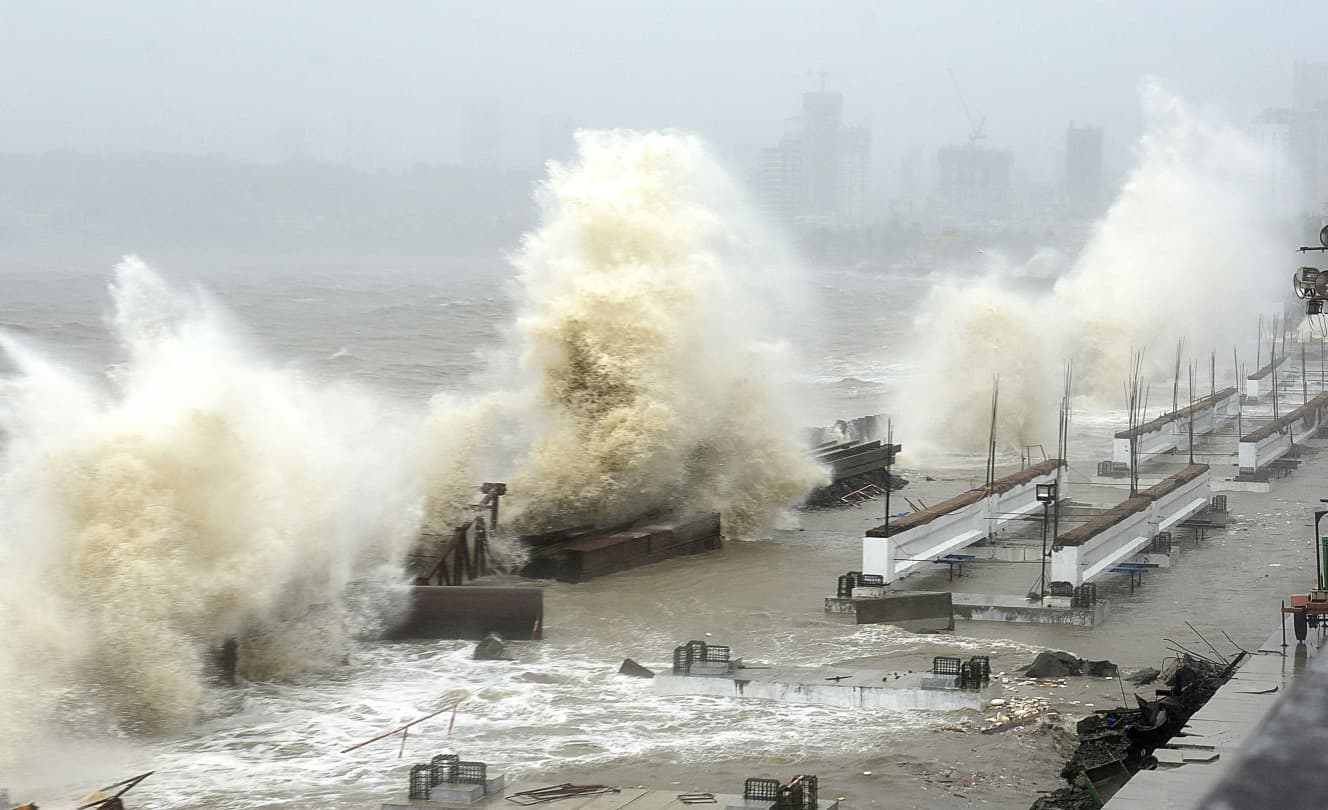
931 680
916 611
456 793
712 667
840 605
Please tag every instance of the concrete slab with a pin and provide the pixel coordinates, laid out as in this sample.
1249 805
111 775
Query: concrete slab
915 611
456 793
633 798
842 687
1232 485
980 607
841 605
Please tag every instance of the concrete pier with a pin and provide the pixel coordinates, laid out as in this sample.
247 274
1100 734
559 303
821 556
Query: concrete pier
951 525
472 612
1260 448
612 798
1096 547
982 607
829 686
1171 431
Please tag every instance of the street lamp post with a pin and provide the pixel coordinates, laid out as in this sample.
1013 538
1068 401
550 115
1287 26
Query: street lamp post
1318 563
1046 495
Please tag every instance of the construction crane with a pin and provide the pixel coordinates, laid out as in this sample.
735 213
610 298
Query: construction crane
975 128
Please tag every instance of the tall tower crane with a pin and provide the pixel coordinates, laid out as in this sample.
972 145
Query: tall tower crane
975 128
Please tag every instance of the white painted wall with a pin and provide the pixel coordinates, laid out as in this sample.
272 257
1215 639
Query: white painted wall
1127 539
1253 456
901 554
1175 434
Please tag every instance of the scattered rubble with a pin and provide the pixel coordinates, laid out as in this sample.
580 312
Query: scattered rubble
831 495
1016 711
1115 743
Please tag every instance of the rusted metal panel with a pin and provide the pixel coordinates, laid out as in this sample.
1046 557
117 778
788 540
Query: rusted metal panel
472 612
595 554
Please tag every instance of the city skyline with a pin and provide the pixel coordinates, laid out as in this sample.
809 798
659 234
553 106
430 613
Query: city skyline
387 89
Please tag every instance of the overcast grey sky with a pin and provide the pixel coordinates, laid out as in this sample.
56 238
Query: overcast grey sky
383 82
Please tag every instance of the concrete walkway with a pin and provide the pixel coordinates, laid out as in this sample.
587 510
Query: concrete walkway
1190 765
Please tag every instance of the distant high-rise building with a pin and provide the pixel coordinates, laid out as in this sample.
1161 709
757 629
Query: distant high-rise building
1307 133
851 174
778 181
975 182
822 118
818 172
1272 130
481 133
1083 169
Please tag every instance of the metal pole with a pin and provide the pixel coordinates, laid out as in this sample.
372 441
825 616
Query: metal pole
1046 509
889 462
1318 566
1284 623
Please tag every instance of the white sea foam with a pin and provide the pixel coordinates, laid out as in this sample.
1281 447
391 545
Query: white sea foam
1190 248
655 376
197 493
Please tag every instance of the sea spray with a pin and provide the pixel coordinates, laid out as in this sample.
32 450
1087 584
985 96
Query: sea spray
649 296
197 494
1190 248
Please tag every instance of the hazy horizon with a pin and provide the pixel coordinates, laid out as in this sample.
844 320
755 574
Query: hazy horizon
389 86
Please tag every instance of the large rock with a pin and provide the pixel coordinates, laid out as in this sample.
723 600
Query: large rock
1054 665
630 667
1101 669
492 648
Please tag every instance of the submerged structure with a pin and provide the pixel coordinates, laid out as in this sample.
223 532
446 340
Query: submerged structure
708 669
578 554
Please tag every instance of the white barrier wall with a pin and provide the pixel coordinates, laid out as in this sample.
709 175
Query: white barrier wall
1154 443
1257 388
1107 549
1253 455
1175 434
1121 542
1255 452
900 554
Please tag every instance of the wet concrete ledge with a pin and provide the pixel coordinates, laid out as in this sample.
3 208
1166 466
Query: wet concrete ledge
981 607
829 686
